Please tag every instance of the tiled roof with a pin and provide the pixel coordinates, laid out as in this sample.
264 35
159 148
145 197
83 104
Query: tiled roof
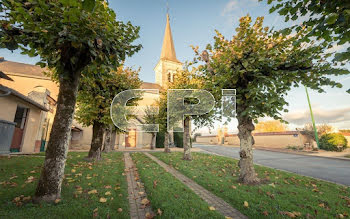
10 91
10 67
34 70
147 85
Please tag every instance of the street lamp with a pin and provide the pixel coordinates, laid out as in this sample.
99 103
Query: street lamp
312 118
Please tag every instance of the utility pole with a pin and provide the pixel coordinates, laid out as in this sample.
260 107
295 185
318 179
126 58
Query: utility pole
312 118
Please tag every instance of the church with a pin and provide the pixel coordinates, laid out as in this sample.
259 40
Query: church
34 105
165 71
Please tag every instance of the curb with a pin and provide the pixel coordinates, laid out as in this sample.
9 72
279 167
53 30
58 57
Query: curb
296 153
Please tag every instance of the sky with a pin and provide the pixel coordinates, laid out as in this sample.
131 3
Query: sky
193 22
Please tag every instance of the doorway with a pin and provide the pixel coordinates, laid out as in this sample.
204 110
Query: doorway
130 138
20 120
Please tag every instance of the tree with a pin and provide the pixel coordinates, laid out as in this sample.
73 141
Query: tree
262 65
322 129
162 118
71 38
94 101
326 20
107 142
270 126
151 117
190 79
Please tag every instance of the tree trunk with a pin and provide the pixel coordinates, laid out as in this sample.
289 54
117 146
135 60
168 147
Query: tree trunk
49 185
166 142
108 140
187 139
113 139
153 140
171 139
96 142
247 173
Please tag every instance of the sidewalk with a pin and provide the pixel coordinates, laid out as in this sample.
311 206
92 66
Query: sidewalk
219 204
320 153
136 192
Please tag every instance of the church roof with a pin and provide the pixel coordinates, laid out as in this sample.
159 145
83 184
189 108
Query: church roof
168 49
148 85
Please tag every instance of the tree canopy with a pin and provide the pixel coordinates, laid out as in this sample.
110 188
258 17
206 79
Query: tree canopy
270 126
326 20
68 36
96 95
263 65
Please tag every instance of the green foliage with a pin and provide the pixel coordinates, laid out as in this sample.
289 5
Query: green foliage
160 140
190 78
263 65
150 117
327 20
333 142
179 139
70 37
96 94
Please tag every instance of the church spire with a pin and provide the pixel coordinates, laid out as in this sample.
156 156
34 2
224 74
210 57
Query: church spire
168 49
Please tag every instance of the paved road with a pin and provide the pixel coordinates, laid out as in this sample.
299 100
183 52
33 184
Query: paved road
333 170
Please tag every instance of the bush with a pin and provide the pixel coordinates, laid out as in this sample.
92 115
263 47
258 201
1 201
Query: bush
160 140
178 139
333 142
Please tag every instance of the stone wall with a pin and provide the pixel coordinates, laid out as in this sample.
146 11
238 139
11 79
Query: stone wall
268 139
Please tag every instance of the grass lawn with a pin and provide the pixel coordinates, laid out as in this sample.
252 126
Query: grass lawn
83 187
286 194
348 156
168 194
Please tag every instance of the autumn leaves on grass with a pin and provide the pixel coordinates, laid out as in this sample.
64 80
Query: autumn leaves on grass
285 195
88 189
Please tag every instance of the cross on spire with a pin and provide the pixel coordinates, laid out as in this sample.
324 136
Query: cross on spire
167 7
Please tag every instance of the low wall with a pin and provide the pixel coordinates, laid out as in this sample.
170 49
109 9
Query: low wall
268 139
207 139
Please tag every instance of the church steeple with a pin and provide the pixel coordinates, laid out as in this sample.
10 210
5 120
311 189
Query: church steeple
168 64
168 49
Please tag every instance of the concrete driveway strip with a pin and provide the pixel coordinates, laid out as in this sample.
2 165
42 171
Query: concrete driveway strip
333 170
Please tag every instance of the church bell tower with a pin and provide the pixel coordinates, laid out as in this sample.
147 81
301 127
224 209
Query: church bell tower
168 63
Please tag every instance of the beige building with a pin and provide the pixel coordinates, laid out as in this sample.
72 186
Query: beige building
28 118
33 90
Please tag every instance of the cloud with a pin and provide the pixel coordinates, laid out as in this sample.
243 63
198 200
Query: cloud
336 116
230 7
233 7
